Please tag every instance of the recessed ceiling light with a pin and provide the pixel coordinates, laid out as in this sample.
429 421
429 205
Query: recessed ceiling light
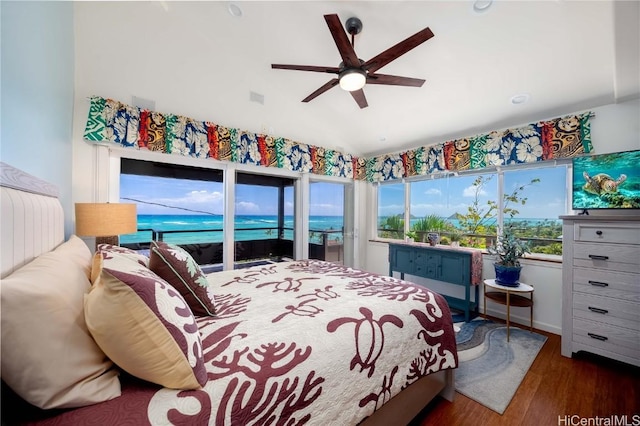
234 10
481 5
520 99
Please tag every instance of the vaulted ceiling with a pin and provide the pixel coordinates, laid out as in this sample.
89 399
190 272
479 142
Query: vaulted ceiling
198 60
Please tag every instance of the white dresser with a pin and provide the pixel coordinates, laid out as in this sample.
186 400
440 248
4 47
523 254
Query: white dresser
601 286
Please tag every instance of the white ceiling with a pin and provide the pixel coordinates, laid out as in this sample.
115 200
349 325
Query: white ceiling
568 56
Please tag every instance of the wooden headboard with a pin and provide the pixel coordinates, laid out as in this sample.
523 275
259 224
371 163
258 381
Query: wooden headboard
31 218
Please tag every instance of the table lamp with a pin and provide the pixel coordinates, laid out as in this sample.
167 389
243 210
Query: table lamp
106 221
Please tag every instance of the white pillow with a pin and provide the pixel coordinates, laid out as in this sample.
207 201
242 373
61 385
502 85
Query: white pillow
48 356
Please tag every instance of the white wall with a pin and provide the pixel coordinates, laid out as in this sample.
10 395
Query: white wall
37 92
614 128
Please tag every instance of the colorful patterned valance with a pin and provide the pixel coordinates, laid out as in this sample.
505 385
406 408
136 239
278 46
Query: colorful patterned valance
132 127
129 126
564 137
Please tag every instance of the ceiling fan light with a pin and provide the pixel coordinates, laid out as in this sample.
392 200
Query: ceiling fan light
352 80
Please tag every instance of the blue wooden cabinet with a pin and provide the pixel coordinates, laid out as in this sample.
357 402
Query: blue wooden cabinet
437 263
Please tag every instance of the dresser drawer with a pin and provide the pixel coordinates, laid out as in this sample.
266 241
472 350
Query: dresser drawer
606 310
614 257
599 282
622 233
610 338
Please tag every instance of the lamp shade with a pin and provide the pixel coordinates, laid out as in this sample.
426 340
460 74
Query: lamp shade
105 219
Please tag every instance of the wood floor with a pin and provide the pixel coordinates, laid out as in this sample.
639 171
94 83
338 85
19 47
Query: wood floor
555 387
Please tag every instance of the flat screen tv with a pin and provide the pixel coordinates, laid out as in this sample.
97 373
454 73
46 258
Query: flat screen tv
606 181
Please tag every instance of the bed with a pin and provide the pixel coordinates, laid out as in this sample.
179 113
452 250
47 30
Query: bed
299 342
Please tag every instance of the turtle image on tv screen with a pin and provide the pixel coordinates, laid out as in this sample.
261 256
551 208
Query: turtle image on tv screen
606 181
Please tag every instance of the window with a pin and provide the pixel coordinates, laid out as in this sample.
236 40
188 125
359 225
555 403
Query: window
176 204
391 211
326 221
543 196
263 217
184 205
453 206
469 208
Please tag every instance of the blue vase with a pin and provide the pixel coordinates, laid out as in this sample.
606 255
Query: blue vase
507 275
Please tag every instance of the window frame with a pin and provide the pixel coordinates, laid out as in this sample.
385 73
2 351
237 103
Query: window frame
499 173
107 186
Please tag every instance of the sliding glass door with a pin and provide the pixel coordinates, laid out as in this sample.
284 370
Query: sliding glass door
331 222
264 219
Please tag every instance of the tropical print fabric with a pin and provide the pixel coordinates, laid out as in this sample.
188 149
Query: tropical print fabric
249 149
114 122
435 159
568 136
457 155
477 152
359 168
559 138
413 161
297 157
383 168
525 144
95 128
341 165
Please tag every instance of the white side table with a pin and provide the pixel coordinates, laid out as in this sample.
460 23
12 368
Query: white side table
509 296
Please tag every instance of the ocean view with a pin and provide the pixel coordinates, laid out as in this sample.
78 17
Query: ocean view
529 222
248 227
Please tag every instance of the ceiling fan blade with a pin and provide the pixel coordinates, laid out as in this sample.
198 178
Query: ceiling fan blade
347 53
394 80
330 70
377 62
358 95
328 85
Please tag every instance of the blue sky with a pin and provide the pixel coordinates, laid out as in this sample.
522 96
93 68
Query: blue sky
200 197
443 196
446 196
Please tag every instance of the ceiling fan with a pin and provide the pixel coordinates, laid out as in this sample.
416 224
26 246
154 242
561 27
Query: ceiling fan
353 72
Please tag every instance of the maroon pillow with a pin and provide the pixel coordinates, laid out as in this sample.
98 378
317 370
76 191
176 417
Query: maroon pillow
173 264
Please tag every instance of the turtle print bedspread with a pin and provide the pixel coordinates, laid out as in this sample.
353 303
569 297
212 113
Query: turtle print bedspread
300 342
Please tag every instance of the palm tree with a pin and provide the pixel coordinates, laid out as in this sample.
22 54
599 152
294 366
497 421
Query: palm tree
429 223
392 227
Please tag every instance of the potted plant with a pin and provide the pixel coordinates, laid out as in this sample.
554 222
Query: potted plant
455 237
411 236
433 237
508 250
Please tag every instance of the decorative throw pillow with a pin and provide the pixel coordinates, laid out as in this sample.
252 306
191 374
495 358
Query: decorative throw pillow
48 356
144 325
178 268
108 248
133 254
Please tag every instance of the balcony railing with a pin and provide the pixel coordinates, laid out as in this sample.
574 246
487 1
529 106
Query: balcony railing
323 244
478 240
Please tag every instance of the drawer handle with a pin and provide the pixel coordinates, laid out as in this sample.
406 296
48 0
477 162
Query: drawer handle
598 337
598 232
598 310
598 257
598 283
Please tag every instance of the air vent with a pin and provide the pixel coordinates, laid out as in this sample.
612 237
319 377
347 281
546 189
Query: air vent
256 97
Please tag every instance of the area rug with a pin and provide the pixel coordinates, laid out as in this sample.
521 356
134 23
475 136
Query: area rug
491 369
